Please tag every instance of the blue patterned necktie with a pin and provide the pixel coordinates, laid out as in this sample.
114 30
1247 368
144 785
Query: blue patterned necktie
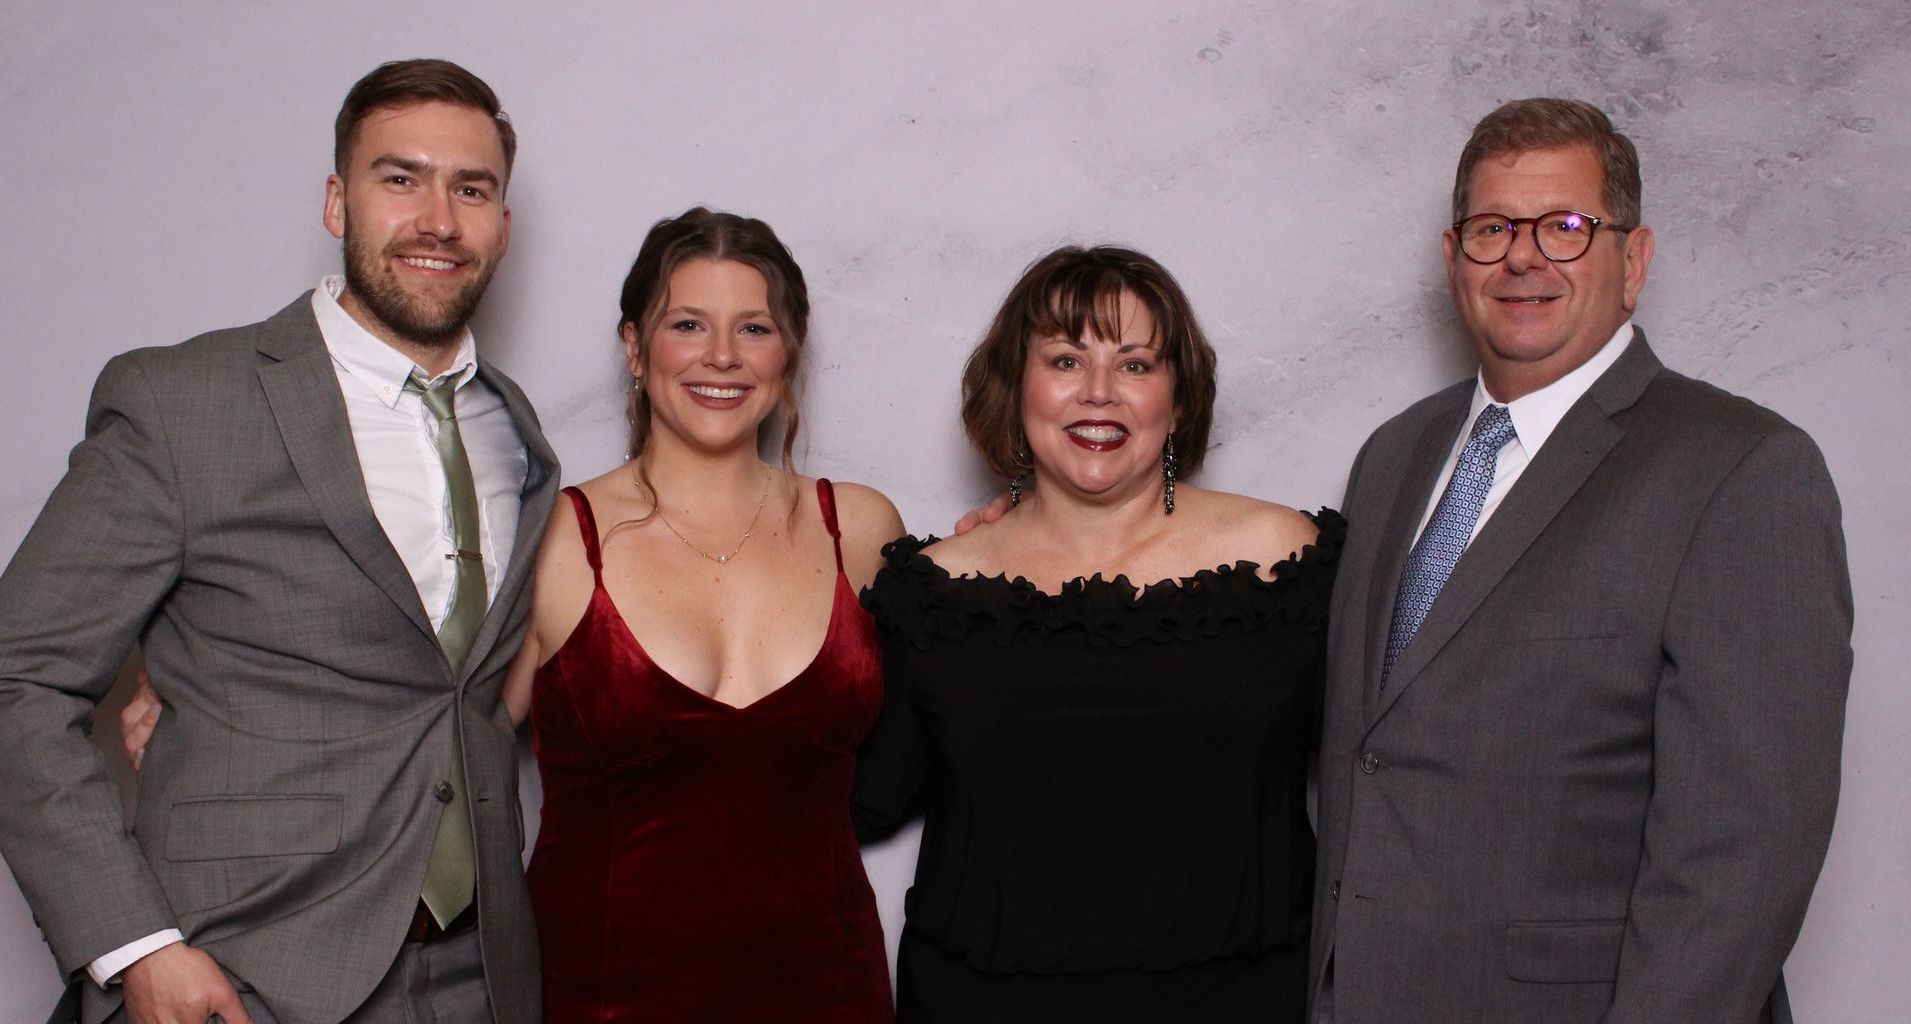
1436 552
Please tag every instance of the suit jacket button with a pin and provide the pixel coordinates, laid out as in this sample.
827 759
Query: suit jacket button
442 791
1369 762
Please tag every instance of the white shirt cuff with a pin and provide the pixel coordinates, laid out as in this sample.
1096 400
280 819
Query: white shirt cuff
106 970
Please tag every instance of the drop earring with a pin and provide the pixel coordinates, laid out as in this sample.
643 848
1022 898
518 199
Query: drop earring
1169 464
1020 477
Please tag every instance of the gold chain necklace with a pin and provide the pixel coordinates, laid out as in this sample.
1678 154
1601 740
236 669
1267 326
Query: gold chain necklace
768 478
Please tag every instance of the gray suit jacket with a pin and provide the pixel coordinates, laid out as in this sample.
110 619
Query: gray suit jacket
215 514
1601 779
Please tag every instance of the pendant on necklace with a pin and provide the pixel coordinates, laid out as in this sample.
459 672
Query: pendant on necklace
723 559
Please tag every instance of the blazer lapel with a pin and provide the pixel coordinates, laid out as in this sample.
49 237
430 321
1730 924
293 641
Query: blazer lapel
302 389
1577 447
1405 511
534 509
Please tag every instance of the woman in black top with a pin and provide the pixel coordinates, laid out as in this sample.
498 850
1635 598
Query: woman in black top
1113 773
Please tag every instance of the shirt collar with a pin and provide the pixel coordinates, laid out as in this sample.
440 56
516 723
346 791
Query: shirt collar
364 356
1536 415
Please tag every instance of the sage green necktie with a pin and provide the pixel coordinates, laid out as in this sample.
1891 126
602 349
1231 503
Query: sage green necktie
451 877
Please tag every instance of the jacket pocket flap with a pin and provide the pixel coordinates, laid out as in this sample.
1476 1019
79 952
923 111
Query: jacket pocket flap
223 827
1564 951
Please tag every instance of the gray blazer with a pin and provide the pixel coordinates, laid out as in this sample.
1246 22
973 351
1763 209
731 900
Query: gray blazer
1601 779
215 515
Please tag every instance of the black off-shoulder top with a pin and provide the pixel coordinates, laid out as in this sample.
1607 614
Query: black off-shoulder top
1112 777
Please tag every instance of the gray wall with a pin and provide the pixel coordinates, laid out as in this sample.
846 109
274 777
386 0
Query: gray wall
163 166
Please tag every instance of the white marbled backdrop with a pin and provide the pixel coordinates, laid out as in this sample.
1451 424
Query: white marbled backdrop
163 163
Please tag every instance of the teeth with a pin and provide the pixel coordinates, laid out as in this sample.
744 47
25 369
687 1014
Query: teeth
429 264
1099 435
710 392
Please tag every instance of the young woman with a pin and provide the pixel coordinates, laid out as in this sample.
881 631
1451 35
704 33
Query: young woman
699 674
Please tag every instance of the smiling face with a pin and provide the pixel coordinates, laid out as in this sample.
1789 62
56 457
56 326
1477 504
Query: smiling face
712 366
1532 320
420 206
1096 411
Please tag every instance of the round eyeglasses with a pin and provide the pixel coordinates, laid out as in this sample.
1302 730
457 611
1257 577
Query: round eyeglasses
1562 235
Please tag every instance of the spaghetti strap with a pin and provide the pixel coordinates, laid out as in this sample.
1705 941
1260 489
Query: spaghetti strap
587 525
826 500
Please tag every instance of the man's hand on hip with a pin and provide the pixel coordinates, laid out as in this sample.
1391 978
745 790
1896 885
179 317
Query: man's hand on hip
180 985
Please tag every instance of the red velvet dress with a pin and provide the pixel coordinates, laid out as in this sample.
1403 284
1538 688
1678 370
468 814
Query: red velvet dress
696 860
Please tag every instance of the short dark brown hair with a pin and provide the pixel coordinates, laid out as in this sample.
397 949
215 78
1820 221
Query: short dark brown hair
401 83
1068 293
696 234
1523 126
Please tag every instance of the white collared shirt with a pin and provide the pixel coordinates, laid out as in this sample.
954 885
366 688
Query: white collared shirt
1534 416
396 438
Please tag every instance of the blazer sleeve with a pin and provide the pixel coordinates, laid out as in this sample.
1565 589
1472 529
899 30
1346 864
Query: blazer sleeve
1748 724
90 574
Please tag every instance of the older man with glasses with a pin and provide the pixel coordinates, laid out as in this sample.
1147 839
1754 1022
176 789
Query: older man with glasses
1589 649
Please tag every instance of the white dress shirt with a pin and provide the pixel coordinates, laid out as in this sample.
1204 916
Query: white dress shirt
396 439
1534 418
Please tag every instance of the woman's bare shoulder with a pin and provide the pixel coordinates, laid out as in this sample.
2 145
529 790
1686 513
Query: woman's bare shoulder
868 520
864 510
1256 530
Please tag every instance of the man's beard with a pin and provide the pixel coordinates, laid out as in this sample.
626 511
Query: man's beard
369 278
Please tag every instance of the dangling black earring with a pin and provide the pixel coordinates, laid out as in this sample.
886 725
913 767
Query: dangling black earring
1016 481
1168 466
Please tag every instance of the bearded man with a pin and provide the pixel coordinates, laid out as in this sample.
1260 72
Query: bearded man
318 529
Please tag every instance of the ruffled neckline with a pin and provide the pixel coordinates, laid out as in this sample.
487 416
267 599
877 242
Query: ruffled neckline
919 600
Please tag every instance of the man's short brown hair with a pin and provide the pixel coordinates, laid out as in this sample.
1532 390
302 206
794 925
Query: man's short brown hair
400 83
1069 293
1523 126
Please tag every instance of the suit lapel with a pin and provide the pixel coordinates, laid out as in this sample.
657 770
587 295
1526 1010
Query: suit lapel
534 508
1405 511
302 389
1577 446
